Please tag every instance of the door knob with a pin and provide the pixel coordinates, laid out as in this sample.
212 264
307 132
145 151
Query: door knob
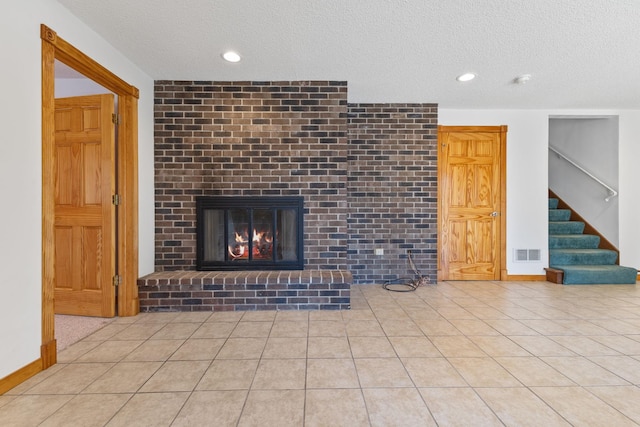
495 213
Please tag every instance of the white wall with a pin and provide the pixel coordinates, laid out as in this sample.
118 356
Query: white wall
21 166
527 178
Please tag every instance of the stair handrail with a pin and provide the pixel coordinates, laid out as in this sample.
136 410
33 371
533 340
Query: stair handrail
612 193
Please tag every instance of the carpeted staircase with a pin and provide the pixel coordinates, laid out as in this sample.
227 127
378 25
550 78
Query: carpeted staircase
577 255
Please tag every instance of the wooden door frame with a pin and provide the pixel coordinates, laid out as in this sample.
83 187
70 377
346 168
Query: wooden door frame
502 267
54 47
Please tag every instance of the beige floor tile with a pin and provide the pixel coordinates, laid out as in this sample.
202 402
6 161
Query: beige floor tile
125 377
71 379
325 315
510 327
414 347
539 345
473 327
139 331
363 313
520 407
624 398
335 407
273 408
174 331
498 346
546 327
234 374
252 329
433 372
331 373
214 330
157 317
76 350
87 410
285 348
401 328
486 313
149 410
382 372
583 371
584 346
31 410
153 350
280 374
438 327
483 372
4 399
371 347
458 407
108 331
36 379
289 329
204 408
457 346
624 366
192 316
176 376
327 328
292 316
198 349
622 327
531 371
364 328
624 345
581 408
455 313
226 316
397 406
260 316
242 348
110 351
583 327
328 347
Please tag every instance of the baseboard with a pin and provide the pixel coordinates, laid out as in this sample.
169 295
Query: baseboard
20 376
526 278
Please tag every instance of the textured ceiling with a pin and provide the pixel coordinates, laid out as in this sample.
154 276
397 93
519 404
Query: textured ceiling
581 54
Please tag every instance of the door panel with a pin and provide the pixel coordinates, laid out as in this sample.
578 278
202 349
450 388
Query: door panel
470 200
84 215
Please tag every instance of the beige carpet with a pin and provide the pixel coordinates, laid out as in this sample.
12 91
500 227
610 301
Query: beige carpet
71 329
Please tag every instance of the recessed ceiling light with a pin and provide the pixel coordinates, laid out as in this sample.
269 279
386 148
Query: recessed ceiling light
231 56
466 77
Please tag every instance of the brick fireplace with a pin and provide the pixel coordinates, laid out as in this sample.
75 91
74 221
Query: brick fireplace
366 172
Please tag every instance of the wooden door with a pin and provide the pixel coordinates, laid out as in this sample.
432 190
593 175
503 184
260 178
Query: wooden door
470 202
84 213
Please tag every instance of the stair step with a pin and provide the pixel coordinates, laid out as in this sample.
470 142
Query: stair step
566 227
559 214
553 203
597 274
573 241
582 257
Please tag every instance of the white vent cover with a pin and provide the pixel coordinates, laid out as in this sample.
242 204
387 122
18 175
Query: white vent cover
523 255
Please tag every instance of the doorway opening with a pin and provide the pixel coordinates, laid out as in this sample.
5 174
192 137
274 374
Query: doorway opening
55 48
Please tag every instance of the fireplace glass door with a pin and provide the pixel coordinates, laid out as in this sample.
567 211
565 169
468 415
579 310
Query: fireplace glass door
249 233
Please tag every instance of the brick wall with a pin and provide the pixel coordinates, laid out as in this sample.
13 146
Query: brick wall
251 138
368 172
392 190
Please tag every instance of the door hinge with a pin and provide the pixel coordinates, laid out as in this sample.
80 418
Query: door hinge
115 119
115 199
117 280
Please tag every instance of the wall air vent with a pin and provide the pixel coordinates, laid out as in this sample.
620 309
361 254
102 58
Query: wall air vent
524 255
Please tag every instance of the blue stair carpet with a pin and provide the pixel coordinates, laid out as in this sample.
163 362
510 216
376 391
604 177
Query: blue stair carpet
578 255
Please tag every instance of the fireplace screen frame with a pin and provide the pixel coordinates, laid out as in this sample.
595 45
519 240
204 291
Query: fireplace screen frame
250 204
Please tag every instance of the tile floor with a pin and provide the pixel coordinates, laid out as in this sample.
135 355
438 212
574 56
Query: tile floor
452 354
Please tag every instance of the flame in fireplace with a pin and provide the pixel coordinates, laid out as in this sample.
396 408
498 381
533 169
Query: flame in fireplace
262 245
